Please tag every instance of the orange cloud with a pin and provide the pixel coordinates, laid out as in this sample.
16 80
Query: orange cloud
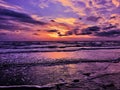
116 2
87 3
70 4
115 19
54 35
36 17
66 20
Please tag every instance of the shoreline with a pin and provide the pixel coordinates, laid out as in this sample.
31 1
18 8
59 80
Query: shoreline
77 84
105 79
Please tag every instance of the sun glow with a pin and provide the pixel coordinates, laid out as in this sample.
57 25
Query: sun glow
55 35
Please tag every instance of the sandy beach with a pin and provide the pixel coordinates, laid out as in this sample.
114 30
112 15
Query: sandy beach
93 76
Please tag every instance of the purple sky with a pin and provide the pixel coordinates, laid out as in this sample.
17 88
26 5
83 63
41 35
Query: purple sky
59 20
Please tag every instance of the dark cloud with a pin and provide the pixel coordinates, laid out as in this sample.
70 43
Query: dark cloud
2 18
51 31
94 31
59 33
112 17
52 20
8 26
2 34
69 33
90 30
111 33
110 27
93 28
86 32
17 16
38 30
10 18
93 18
80 18
77 31
36 34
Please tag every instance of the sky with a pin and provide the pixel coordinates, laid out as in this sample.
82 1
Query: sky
59 20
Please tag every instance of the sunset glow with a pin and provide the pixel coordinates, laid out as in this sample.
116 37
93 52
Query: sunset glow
58 19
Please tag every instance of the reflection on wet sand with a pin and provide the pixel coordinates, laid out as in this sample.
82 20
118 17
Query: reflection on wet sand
37 75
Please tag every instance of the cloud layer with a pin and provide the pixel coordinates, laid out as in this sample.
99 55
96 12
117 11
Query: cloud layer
59 19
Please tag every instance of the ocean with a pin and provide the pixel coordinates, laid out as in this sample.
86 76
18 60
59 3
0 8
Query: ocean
48 62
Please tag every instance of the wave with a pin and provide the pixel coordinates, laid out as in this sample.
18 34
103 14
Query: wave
51 86
54 44
27 87
58 62
6 51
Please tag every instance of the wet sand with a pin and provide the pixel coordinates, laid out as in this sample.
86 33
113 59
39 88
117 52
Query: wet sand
94 76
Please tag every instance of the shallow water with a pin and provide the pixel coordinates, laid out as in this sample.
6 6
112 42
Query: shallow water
43 57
